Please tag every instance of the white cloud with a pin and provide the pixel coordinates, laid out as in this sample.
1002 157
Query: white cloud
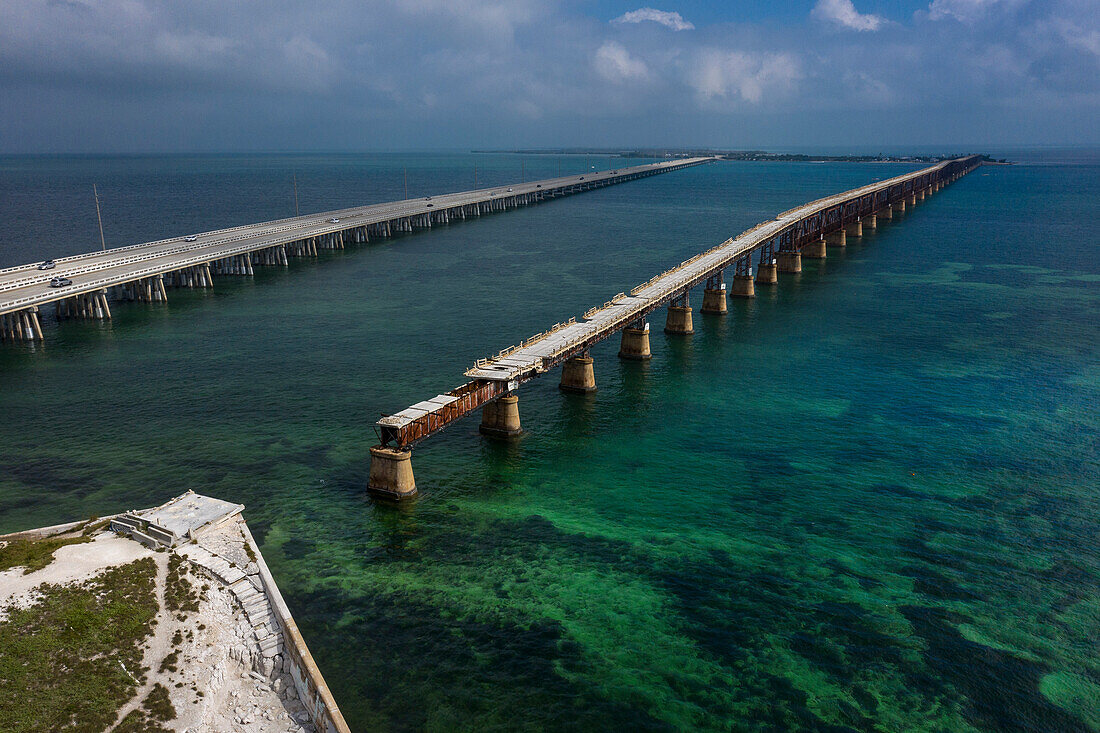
672 21
733 74
844 13
967 11
614 63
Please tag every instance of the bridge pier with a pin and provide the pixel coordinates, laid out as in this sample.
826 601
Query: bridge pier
145 290
21 325
678 321
886 212
767 273
391 473
838 238
577 375
816 250
500 418
788 262
742 287
871 222
855 229
899 206
714 296
635 343
913 199
85 305
197 276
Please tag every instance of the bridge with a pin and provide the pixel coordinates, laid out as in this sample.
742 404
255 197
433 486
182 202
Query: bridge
777 246
143 272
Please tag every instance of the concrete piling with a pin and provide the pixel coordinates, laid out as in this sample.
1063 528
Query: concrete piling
742 287
837 238
678 321
577 375
635 343
714 300
788 262
817 250
855 229
391 473
500 418
871 222
767 273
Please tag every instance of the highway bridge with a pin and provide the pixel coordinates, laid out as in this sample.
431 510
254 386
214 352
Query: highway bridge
777 246
143 272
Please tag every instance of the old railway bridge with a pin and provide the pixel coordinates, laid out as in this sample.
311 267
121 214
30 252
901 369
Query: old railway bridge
777 246
143 272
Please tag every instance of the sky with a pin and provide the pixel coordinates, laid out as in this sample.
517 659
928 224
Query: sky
124 76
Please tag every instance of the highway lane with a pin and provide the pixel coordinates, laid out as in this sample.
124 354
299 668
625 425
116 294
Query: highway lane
25 285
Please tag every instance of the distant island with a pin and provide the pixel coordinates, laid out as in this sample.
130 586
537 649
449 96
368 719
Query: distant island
743 155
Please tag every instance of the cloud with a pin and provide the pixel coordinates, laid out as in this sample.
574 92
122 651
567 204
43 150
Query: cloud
967 11
672 21
614 63
844 13
750 77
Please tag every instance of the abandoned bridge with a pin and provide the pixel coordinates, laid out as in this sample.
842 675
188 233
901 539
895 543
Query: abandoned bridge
776 246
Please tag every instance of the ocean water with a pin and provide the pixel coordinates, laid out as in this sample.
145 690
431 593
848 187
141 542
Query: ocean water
865 500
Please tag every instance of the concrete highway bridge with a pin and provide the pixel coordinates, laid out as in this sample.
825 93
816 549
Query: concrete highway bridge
777 246
143 272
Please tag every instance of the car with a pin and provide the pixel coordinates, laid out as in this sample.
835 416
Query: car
427 198
60 282
334 220
538 185
582 178
47 265
430 205
509 190
190 238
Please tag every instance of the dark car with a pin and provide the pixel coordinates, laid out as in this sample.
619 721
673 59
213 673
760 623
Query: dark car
430 205
60 282
47 265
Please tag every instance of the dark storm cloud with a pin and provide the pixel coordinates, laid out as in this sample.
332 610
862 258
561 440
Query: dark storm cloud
139 74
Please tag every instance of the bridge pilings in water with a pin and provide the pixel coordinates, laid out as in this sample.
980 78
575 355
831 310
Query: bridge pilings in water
577 375
500 418
742 287
678 321
21 325
816 250
635 343
790 262
391 473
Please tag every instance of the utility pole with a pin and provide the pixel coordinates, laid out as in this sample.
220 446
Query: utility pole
102 241
405 172
296 194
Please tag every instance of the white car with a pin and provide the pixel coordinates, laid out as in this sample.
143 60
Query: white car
509 190
191 238
334 220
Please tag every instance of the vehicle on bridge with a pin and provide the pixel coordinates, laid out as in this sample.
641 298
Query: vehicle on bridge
60 282
190 238
47 265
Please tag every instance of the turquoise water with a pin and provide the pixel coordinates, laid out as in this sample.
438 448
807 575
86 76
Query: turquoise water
866 499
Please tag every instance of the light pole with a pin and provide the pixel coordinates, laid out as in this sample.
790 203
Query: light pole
102 241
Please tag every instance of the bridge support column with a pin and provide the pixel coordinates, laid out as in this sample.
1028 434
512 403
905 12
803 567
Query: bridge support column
766 273
678 322
899 206
887 212
837 239
871 222
85 305
714 296
577 375
635 343
391 473
742 287
913 199
500 418
855 229
21 325
788 262
815 250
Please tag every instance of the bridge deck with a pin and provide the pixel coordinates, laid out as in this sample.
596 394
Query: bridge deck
498 375
25 286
